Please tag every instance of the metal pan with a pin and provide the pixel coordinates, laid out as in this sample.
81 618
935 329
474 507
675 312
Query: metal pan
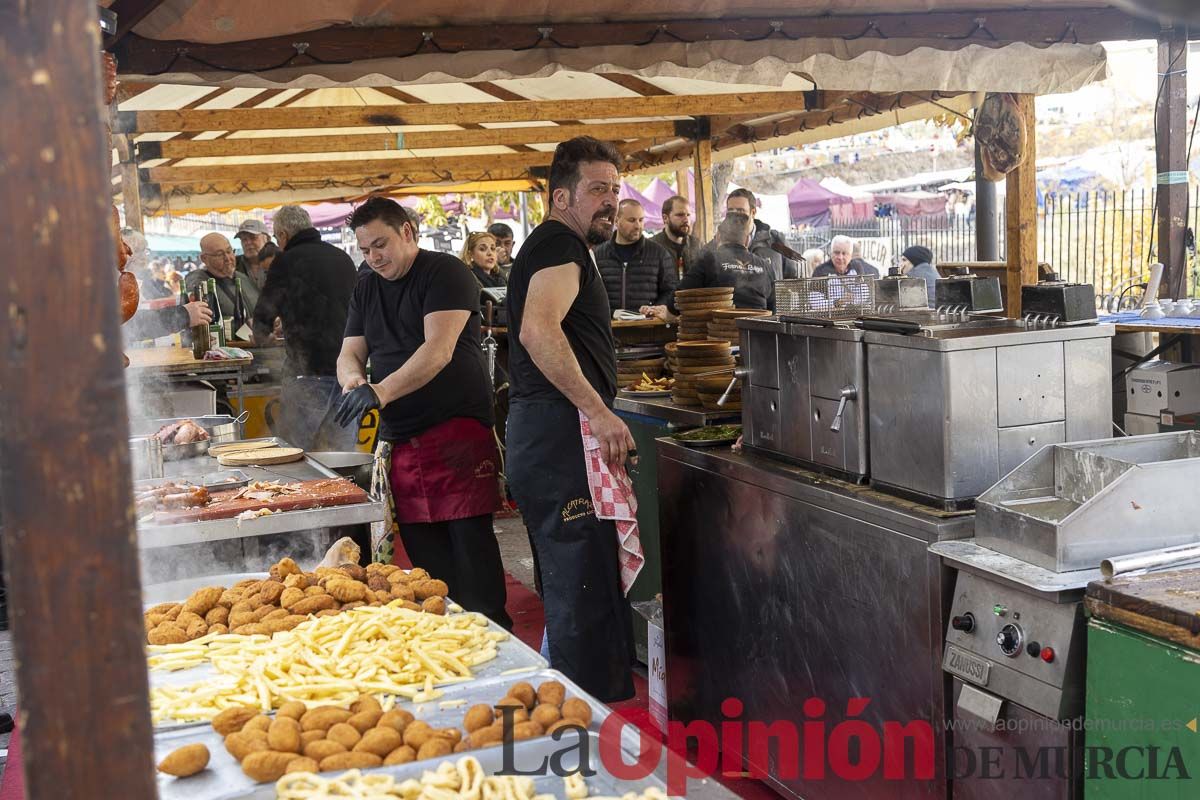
220 428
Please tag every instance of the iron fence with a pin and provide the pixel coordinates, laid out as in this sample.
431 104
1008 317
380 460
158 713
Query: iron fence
1105 238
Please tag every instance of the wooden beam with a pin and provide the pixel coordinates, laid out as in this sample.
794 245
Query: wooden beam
131 196
70 542
315 170
417 140
1170 155
457 113
1020 213
129 13
364 183
702 169
681 182
345 43
634 84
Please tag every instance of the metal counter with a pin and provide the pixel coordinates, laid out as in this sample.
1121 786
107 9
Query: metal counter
663 410
174 552
648 419
781 585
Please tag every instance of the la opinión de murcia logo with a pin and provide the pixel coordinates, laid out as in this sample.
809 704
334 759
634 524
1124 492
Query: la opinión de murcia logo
852 750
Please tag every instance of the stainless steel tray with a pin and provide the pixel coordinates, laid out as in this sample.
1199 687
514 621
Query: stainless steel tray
511 654
224 779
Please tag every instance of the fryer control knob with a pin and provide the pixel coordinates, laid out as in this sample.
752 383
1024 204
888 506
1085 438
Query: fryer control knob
965 623
1009 639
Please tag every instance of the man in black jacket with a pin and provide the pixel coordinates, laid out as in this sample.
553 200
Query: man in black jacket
743 201
676 235
637 272
842 262
731 264
308 288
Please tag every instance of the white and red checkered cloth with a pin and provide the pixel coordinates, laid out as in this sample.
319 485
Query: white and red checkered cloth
613 498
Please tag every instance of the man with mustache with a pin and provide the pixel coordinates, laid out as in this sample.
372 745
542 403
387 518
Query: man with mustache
562 367
676 234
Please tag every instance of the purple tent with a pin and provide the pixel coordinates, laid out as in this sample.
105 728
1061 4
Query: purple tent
809 203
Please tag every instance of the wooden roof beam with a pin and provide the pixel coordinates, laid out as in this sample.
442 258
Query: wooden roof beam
350 43
457 113
355 185
367 168
418 140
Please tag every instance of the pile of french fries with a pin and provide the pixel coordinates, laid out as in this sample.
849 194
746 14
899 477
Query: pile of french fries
388 650
648 384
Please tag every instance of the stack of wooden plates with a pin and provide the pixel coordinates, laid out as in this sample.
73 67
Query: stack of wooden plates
695 310
709 390
630 371
696 360
670 349
722 327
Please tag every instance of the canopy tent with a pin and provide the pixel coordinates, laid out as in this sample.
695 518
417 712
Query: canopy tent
914 204
335 101
162 244
856 205
809 203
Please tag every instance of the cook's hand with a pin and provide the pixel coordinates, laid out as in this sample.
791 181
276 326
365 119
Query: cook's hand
353 383
354 404
615 439
198 313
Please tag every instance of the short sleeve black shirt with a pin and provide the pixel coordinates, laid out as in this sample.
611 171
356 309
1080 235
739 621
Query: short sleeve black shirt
391 316
587 325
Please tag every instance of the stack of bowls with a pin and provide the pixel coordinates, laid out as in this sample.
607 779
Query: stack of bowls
695 361
696 307
722 327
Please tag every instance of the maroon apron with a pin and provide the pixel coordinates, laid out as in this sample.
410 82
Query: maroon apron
448 472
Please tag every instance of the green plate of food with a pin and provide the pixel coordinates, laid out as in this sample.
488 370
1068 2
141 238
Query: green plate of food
709 436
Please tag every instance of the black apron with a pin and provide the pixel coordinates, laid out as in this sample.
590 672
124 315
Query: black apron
588 620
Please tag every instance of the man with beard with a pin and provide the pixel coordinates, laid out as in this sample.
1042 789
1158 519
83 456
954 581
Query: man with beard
562 372
676 235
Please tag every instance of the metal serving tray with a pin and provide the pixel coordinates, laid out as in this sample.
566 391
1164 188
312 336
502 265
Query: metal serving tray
224 779
511 654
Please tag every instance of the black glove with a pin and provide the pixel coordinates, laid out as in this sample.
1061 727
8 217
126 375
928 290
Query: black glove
354 404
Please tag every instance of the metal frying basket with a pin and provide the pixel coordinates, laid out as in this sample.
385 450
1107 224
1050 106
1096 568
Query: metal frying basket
832 297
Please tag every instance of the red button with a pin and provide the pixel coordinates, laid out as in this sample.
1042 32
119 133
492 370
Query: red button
1047 654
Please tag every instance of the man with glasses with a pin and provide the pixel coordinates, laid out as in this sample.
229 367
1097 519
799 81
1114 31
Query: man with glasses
216 254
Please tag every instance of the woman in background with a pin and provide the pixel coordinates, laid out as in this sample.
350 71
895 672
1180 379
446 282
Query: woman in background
917 262
480 254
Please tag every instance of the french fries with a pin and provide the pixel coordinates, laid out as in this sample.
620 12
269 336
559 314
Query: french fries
648 384
387 650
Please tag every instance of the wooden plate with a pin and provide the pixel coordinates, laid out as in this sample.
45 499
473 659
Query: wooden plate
738 313
686 349
267 455
704 291
240 447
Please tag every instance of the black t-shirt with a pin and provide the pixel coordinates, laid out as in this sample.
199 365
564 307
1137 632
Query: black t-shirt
587 325
391 315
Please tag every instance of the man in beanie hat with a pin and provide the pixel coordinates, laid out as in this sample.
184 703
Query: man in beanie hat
917 262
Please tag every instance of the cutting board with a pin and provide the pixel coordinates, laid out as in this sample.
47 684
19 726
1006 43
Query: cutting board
1165 605
321 493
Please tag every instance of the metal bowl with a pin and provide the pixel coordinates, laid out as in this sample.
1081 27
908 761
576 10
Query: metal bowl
220 428
353 465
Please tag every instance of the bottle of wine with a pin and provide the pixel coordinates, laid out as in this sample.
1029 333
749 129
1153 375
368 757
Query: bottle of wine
239 309
200 333
217 327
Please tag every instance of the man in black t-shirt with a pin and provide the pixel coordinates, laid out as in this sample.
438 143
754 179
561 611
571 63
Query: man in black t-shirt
417 318
561 365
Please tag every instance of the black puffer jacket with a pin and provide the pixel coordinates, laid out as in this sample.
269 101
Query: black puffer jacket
647 279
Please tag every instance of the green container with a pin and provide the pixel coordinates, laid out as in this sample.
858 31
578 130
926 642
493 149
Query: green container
1143 699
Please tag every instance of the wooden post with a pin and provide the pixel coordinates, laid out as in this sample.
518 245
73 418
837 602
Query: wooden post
681 183
702 168
1170 153
1020 212
131 192
70 547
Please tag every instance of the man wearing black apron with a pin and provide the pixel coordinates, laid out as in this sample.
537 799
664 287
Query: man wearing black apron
562 366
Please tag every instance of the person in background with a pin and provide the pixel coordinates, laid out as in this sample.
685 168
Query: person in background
504 245
842 262
254 237
813 258
676 235
416 316
562 372
917 262
742 201
308 290
637 273
216 254
480 253
732 264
